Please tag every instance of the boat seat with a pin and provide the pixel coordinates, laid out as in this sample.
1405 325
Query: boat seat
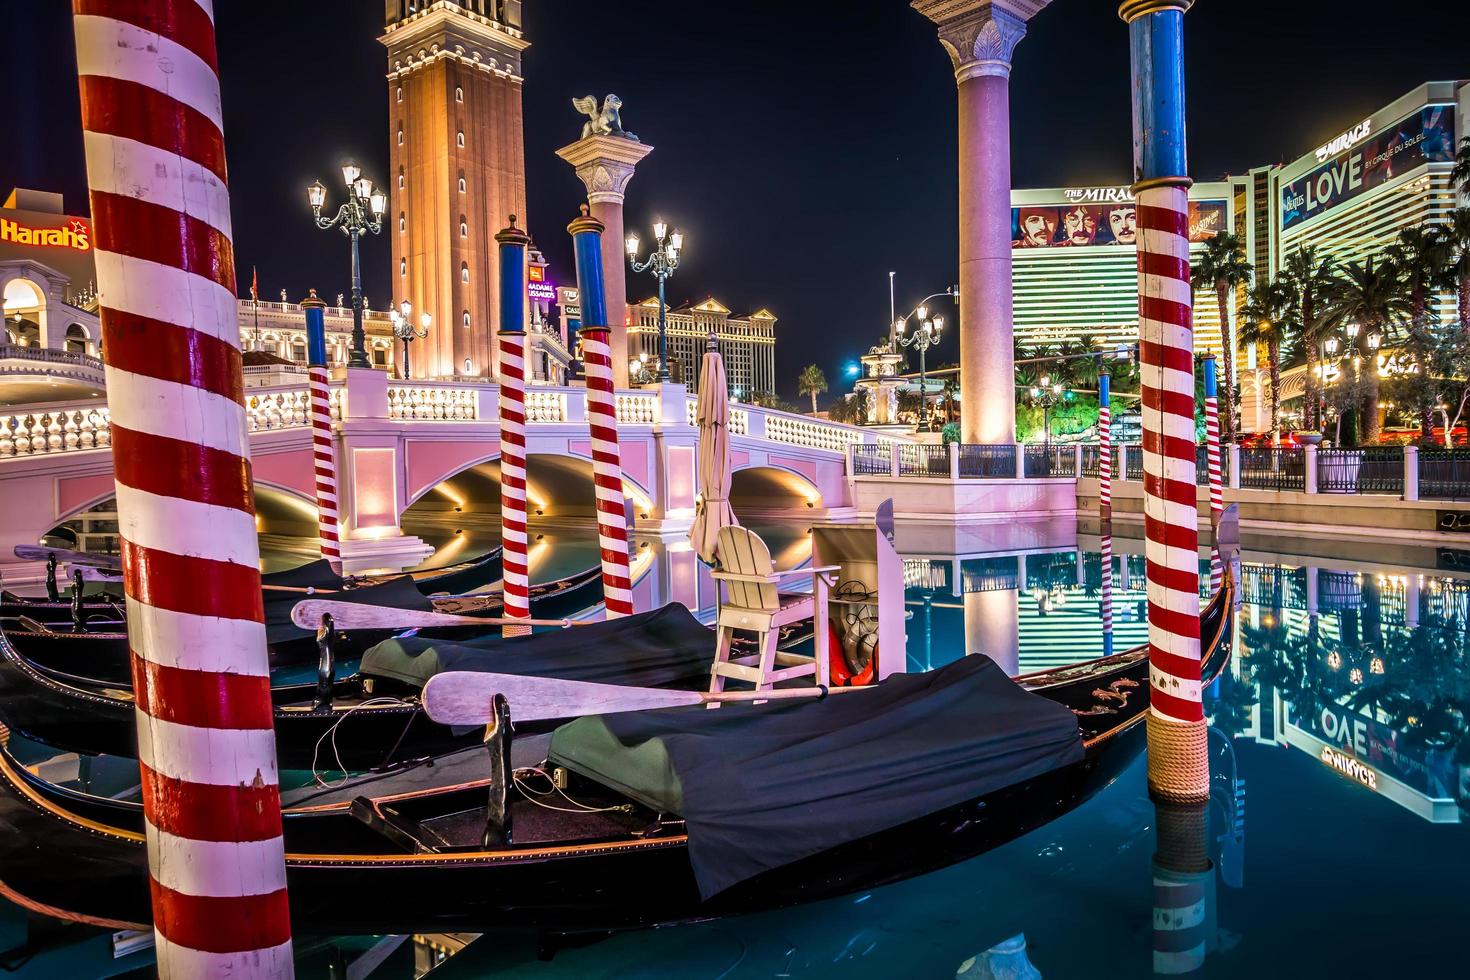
752 603
407 834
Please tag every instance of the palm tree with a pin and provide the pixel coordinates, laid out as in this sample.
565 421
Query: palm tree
1267 320
1457 233
1460 176
1423 257
1368 300
1311 275
811 382
1222 267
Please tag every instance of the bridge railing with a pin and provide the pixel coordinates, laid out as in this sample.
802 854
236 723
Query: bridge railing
47 355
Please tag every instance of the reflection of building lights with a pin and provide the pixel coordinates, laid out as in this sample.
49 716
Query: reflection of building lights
1356 675
1334 660
1376 665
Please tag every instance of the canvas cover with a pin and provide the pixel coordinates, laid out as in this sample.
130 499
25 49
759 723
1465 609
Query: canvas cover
663 648
762 786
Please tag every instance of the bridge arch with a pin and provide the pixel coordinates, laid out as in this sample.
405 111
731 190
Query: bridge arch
770 489
558 485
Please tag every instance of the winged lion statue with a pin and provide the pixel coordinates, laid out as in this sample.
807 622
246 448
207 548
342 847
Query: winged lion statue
602 122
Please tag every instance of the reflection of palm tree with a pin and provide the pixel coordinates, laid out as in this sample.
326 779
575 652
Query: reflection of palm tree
1230 712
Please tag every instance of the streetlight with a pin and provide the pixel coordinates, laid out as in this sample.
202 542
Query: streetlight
662 262
1046 394
640 370
363 213
403 329
925 335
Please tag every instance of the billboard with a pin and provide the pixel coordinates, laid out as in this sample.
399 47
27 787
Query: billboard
1087 225
1426 136
1430 771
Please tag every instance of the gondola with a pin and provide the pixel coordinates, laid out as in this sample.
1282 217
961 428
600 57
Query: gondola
428 860
99 651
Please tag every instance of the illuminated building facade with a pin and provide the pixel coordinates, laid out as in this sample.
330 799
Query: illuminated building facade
1074 262
457 169
747 343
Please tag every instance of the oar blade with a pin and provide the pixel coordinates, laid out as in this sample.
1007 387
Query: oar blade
33 552
463 698
308 613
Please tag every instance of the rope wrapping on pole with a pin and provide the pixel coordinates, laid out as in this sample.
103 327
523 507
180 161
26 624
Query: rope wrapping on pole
1178 765
512 243
155 154
323 446
602 421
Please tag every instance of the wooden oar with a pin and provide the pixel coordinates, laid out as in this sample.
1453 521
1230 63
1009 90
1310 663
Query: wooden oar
303 589
360 616
33 552
459 697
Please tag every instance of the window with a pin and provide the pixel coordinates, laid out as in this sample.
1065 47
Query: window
461 185
403 267
464 272
402 222
400 135
466 319
458 94
400 93
459 139
400 178
464 227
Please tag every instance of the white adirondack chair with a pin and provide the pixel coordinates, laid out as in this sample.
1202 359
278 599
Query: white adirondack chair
753 603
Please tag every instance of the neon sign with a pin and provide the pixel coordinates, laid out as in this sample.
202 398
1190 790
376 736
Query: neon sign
1100 195
1347 139
75 235
1350 767
541 290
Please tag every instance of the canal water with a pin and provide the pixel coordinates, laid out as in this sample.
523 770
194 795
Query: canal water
1336 836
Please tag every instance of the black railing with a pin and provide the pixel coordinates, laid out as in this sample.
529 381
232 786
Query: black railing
1091 461
1051 461
1376 470
1202 465
987 462
1270 468
1444 474
871 460
923 459
1133 469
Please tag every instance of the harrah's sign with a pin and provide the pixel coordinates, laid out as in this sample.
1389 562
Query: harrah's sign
75 235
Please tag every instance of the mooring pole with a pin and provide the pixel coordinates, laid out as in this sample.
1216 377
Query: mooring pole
513 242
1212 452
1184 888
323 447
1178 766
155 155
1105 445
602 419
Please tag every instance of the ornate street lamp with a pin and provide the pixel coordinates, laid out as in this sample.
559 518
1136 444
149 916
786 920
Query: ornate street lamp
363 213
641 371
925 335
403 329
1046 394
662 262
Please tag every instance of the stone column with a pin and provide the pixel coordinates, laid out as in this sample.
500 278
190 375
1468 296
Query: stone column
980 36
605 164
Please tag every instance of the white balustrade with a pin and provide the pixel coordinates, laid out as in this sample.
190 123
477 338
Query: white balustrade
637 408
432 403
739 422
546 405
810 434
59 430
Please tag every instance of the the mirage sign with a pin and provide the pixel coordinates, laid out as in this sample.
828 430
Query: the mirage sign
1427 136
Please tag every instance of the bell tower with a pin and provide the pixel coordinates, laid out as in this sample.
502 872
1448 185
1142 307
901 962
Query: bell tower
457 169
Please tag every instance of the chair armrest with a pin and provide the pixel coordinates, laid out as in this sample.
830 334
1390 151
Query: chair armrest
737 577
808 571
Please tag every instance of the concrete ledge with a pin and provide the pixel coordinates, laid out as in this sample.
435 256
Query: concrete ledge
945 501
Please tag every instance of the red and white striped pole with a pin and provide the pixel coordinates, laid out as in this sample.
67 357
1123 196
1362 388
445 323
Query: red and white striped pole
1184 889
166 283
1212 452
607 465
1105 444
513 242
1178 766
323 445
1107 587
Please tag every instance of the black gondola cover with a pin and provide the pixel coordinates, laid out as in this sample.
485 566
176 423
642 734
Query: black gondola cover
762 786
663 648
313 575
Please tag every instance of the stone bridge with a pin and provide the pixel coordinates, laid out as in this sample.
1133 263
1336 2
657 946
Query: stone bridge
437 445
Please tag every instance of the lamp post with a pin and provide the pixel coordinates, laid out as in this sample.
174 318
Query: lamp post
640 370
1046 394
662 262
403 329
361 214
925 335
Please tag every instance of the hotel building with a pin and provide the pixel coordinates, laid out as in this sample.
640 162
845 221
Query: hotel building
747 343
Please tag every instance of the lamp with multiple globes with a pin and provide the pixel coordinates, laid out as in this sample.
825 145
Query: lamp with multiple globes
361 214
403 329
661 262
925 334
1046 394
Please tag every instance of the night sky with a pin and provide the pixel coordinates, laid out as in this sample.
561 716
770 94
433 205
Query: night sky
805 148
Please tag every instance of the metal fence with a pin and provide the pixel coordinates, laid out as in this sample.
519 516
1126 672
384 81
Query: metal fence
1444 474
1051 461
1269 468
1376 470
1202 465
1134 467
987 462
923 459
1091 461
871 461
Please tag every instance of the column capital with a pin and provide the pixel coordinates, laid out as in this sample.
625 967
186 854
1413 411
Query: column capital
980 35
605 164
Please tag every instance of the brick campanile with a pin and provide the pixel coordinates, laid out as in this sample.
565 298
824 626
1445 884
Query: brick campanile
457 169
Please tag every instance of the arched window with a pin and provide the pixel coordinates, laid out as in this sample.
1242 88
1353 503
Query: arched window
458 94
76 339
400 93
459 139
464 272
400 135
464 227
461 182
402 222
466 319
403 267
400 178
